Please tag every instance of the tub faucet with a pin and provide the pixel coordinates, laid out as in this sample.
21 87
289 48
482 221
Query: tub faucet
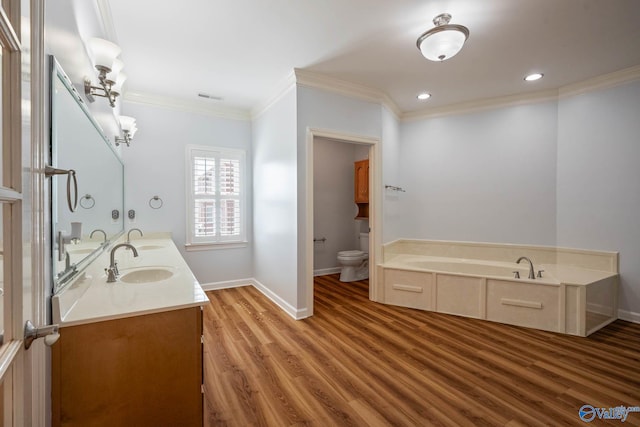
532 274
129 234
112 271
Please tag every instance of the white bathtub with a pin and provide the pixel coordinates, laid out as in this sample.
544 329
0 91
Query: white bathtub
577 293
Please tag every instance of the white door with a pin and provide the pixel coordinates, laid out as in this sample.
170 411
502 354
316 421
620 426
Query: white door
21 291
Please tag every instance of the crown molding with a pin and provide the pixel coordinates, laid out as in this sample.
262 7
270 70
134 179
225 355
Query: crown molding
346 88
601 82
188 106
597 83
108 28
482 105
282 88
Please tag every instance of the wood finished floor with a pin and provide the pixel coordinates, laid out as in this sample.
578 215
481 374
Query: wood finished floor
359 363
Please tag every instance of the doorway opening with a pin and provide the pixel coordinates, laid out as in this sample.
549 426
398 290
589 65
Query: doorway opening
335 222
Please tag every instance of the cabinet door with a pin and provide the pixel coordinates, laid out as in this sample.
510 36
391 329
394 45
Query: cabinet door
362 181
136 371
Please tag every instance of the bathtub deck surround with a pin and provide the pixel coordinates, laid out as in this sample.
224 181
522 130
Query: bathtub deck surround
574 291
134 345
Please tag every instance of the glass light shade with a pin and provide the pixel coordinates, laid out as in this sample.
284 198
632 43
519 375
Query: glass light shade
118 65
103 52
133 131
127 123
442 44
533 77
117 87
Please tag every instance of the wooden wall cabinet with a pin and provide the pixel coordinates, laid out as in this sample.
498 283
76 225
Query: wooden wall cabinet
361 181
137 371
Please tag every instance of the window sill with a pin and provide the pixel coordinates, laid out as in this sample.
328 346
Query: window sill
194 247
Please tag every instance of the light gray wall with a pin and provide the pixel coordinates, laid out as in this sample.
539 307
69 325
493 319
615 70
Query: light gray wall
334 209
155 165
275 201
391 175
487 176
599 179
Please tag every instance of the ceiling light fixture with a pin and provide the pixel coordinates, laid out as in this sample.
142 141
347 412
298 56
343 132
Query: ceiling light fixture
104 55
533 77
423 96
129 129
444 40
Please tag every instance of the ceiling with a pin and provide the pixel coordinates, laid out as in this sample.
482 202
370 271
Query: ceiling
242 50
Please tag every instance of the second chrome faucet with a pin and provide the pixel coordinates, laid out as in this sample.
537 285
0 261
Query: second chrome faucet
129 234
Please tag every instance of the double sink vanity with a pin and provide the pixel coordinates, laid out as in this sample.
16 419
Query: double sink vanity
130 351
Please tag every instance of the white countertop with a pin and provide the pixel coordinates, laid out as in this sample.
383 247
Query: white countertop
89 298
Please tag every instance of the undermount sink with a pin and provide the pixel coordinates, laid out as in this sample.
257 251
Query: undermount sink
147 275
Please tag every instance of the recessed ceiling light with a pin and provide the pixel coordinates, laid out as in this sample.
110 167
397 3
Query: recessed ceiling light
423 96
533 77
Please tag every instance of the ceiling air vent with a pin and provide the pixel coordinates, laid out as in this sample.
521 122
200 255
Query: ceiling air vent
209 96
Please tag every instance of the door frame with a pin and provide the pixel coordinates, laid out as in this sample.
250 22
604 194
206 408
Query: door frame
375 206
24 372
41 285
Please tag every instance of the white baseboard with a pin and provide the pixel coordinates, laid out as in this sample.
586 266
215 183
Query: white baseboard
326 271
629 316
227 284
288 308
285 306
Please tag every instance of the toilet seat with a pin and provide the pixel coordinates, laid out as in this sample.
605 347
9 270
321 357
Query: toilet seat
351 254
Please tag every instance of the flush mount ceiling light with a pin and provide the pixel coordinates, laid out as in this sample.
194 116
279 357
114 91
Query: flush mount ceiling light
129 129
104 55
423 96
444 40
533 77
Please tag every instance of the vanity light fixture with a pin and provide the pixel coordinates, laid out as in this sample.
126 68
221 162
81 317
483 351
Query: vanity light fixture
533 77
129 129
444 40
423 96
104 55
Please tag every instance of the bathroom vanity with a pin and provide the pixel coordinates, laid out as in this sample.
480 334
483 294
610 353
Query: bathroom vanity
130 352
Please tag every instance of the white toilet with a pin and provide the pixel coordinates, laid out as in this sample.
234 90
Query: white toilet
355 264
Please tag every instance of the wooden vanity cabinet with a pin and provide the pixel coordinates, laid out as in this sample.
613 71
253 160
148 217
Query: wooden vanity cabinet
361 181
137 371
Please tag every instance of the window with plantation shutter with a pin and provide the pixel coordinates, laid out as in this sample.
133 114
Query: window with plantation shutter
216 199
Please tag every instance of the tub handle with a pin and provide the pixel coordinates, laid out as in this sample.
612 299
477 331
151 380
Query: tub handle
540 273
516 274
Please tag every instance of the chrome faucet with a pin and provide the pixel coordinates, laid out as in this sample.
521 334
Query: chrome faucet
532 274
112 271
98 230
129 234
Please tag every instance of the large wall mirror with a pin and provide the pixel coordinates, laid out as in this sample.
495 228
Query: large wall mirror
87 179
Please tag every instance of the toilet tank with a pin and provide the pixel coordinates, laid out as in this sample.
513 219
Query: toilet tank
364 242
